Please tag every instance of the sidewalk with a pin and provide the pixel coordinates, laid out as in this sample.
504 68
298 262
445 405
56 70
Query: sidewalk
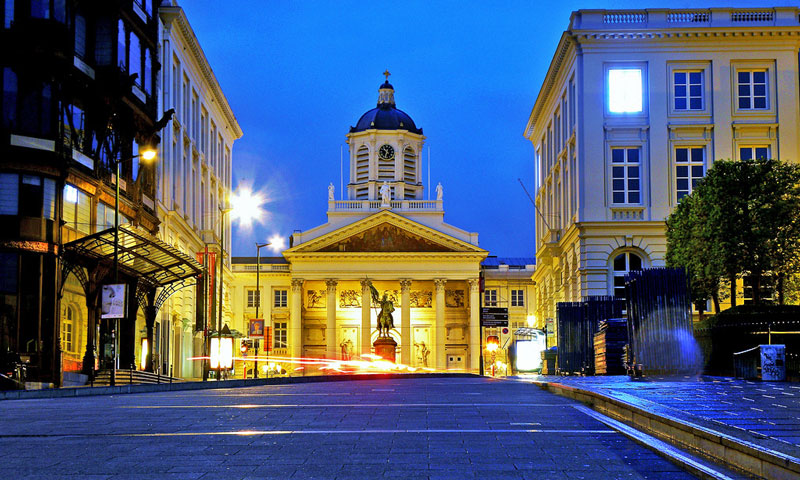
729 416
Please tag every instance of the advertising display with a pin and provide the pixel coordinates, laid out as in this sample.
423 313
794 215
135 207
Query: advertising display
113 303
256 330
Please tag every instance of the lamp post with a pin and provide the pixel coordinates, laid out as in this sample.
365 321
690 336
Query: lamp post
148 155
221 261
259 246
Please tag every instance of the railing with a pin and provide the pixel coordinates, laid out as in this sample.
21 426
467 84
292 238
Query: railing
374 205
625 17
264 268
688 17
627 213
752 16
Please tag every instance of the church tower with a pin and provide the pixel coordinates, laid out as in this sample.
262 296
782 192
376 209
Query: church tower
385 146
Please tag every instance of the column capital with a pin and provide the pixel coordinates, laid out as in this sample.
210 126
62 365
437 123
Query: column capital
474 284
405 284
331 284
365 284
297 284
439 283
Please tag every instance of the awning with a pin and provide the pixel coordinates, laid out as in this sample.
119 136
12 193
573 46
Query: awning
141 255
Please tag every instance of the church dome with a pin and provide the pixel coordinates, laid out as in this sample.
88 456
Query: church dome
386 116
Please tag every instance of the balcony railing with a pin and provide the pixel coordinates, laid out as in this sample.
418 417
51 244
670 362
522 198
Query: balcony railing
375 205
679 18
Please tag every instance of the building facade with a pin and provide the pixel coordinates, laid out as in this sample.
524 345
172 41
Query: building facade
79 98
635 108
383 235
194 181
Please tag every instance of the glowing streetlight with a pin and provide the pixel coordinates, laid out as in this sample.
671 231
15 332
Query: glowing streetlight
247 206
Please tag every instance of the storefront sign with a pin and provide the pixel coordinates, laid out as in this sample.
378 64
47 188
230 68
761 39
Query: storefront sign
494 317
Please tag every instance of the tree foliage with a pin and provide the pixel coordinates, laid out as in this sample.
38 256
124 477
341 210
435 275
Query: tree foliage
742 218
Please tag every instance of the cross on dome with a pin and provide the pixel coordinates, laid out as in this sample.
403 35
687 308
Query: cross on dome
386 74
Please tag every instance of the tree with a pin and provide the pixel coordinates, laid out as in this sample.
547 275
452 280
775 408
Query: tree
742 218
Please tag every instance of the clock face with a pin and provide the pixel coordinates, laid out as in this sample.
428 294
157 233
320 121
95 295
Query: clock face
386 152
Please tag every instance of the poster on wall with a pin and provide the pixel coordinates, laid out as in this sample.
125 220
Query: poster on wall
256 330
113 303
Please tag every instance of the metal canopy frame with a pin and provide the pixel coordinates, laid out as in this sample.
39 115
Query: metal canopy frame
141 255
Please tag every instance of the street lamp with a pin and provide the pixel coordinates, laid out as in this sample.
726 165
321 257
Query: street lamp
259 246
221 261
148 154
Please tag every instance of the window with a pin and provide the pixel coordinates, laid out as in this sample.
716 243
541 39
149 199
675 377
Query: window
280 299
67 326
624 263
754 153
77 209
517 298
30 196
9 194
122 46
105 217
80 35
625 176
253 299
280 334
688 90
147 82
752 89
490 297
136 59
10 90
9 13
689 169
625 90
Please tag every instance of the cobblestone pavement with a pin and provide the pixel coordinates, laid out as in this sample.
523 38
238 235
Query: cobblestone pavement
759 412
427 428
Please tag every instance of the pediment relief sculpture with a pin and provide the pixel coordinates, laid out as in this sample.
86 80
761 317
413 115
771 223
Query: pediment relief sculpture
421 298
315 298
350 298
385 238
454 298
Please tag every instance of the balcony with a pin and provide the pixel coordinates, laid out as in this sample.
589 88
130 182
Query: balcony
366 206
657 18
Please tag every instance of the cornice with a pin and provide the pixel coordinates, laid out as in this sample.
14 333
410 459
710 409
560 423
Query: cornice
176 15
549 80
662 34
339 257
380 217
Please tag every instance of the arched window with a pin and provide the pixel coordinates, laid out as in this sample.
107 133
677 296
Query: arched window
67 330
623 263
147 82
136 59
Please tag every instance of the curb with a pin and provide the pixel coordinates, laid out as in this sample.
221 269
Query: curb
70 392
740 454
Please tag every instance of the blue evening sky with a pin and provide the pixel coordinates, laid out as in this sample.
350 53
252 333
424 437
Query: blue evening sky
298 74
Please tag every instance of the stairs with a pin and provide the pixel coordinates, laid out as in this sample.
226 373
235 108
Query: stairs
129 377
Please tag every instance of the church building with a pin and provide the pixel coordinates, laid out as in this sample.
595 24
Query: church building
386 235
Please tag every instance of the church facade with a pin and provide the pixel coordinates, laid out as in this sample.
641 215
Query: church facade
385 235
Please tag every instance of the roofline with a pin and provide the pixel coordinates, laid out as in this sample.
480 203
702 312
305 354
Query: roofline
560 54
168 15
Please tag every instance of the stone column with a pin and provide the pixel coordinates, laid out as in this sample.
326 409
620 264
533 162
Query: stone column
441 338
295 320
474 325
366 324
330 325
405 321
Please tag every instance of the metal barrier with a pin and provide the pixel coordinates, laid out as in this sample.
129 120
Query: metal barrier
660 322
577 324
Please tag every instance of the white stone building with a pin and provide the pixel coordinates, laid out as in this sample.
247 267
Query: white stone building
635 107
194 180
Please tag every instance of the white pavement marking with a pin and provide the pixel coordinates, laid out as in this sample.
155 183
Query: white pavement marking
349 405
655 444
351 432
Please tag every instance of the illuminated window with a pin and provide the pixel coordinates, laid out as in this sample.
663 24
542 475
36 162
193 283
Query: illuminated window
625 90
688 90
490 297
279 337
517 298
689 169
623 264
67 327
76 209
625 186
754 152
752 89
280 299
253 299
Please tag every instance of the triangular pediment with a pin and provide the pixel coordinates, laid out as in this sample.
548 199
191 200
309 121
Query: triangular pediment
385 232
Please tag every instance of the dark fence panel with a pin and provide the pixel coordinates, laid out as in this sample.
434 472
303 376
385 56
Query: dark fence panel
577 324
660 321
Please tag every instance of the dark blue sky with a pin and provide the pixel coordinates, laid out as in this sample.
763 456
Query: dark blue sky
298 74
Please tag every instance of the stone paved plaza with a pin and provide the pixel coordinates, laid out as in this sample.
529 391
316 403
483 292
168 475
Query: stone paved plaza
437 428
